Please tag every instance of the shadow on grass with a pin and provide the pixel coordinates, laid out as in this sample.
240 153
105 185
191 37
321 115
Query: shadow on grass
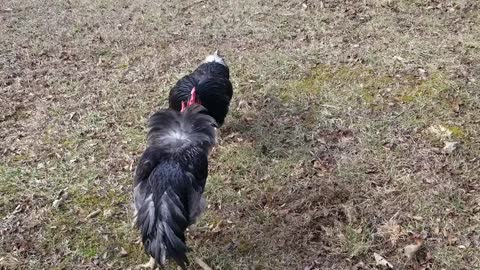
272 187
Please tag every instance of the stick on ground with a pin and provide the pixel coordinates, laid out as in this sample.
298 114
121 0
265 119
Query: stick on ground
202 264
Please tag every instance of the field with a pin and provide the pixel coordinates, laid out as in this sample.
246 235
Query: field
352 142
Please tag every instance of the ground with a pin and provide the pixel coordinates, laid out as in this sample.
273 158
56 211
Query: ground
353 137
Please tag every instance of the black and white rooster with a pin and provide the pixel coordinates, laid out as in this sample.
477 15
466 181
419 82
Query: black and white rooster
170 179
208 85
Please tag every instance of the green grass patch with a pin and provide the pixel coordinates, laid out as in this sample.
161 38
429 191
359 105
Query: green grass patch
356 241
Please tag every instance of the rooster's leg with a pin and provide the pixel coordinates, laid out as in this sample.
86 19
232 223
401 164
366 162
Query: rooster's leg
149 265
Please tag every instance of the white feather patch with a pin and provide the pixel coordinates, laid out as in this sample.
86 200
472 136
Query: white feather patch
215 58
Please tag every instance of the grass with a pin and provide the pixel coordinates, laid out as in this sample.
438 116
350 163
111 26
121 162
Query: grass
332 150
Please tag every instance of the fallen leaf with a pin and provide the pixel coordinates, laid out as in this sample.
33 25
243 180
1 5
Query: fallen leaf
249 119
456 104
391 230
243 106
107 213
452 239
440 131
61 197
57 203
318 165
411 250
73 116
396 57
450 147
123 252
379 260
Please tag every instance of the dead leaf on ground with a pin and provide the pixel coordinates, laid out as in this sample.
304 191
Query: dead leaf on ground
391 230
57 202
456 104
450 147
417 218
411 250
123 252
440 131
108 213
452 239
60 198
379 260
398 58
243 106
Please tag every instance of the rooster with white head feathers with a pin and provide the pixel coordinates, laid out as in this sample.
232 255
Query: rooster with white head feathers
209 85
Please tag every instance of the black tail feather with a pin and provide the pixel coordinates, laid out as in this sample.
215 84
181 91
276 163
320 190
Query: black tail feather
170 179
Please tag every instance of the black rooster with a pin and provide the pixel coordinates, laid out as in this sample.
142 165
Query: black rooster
170 179
208 85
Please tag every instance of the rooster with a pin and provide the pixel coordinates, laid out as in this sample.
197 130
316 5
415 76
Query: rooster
208 85
170 179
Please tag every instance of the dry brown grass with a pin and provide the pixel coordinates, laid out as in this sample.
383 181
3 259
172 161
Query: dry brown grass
328 156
